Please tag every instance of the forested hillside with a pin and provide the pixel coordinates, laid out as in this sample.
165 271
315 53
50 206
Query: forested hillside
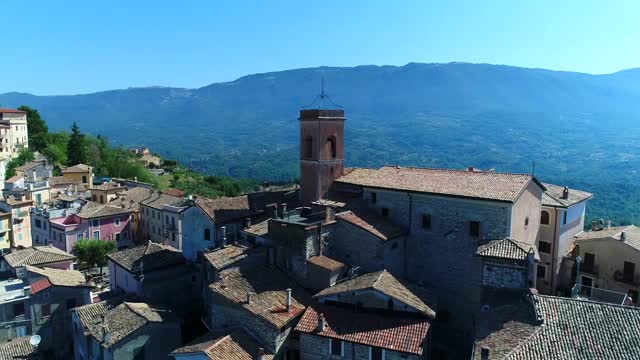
580 130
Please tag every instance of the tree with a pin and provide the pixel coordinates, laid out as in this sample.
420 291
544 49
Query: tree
93 252
23 157
76 149
37 128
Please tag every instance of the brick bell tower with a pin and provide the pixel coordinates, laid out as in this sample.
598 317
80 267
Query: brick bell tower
321 152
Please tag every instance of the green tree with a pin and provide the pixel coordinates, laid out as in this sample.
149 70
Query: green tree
93 252
23 157
37 128
76 149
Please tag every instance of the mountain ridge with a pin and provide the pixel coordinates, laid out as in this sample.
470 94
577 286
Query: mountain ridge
577 127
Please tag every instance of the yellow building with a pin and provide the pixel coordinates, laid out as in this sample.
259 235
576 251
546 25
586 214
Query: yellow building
5 230
79 174
20 225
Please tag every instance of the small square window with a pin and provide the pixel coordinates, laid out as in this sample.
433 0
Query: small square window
95 223
117 222
336 347
18 309
544 247
474 228
426 221
542 271
46 310
376 353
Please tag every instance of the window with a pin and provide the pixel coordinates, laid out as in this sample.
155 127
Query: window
544 247
166 219
336 347
71 303
474 228
45 310
376 353
426 221
374 198
385 212
332 146
94 197
20 237
589 262
629 270
207 234
101 199
117 222
542 271
564 218
526 221
95 223
84 179
118 237
544 217
79 236
96 234
38 223
18 309
173 236
308 147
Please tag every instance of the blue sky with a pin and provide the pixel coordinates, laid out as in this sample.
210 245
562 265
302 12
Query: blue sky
69 47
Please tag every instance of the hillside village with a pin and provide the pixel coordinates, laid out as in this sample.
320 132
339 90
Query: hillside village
354 263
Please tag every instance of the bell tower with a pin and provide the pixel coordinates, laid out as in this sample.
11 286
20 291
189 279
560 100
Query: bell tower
321 151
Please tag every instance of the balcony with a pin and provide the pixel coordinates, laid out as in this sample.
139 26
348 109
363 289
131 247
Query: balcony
596 294
630 279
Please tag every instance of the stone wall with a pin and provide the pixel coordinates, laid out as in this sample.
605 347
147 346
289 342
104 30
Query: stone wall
317 348
503 275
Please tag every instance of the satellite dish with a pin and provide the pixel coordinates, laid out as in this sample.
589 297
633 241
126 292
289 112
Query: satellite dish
35 340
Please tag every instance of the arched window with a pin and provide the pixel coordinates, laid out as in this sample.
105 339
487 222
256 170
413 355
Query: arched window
544 217
207 234
308 147
331 141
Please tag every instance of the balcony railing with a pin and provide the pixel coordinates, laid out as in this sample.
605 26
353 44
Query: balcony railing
597 294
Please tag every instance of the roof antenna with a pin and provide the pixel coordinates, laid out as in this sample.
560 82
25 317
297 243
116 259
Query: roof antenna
323 97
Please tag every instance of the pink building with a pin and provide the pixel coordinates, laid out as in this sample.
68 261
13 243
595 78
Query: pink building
95 221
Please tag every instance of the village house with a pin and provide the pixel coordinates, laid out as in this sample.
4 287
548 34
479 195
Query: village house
610 264
562 217
105 192
66 231
20 220
508 264
152 217
155 272
14 135
28 188
132 198
131 330
107 222
538 327
19 349
37 169
56 212
80 174
262 301
372 316
5 232
234 343
15 316
54 293
48 256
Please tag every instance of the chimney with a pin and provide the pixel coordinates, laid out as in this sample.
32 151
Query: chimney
247 222
565 193
223 230
283 209
623 236
248 297
322 323
288 299
135 178
608 224
35 177
260 355
484 353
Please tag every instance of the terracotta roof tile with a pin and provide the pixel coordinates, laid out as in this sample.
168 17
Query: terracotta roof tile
326 263
58 277
94 210
120 321
631 235
229 255
395 332
226 208
506 248
37 255
224 345
79 168
40 285
486 185
258 229
17 349
387 284
11 111
158 201
268 299
149 257
553 196
372 222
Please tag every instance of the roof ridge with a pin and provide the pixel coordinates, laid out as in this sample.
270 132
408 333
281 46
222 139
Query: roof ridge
484 172
600 303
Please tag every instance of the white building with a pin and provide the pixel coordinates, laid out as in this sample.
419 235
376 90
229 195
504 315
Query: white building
13 132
